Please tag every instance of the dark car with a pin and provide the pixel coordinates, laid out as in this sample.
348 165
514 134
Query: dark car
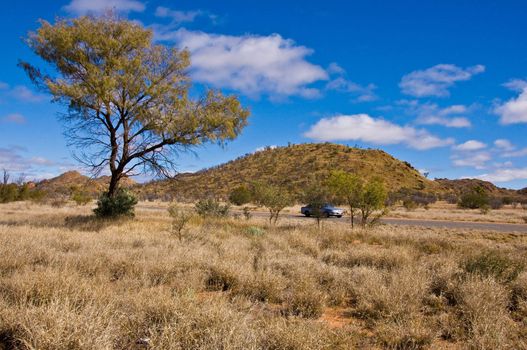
327 210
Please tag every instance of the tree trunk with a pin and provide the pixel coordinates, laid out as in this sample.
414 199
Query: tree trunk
114 184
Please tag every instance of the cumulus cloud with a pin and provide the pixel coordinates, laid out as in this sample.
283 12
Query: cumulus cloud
514 111
340 83
15 118
363 93
505 175
436 81
470 145
251 64
432 114
362 127
83 7
504 145
476 160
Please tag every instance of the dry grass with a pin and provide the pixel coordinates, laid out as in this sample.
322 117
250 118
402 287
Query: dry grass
68 281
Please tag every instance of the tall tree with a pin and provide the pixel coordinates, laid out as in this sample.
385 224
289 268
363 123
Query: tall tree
129 106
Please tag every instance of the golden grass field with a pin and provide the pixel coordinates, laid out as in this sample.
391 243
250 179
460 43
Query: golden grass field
68 281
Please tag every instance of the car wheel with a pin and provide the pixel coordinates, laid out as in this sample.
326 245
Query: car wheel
339 216
308 214
326 215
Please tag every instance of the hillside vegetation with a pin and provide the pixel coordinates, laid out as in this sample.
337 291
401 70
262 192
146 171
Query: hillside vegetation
293 167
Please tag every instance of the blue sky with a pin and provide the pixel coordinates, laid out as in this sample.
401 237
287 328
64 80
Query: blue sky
441 84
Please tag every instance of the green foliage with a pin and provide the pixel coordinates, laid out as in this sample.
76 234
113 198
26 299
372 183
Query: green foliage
81 197
474 199
211 208
8 193
274 198
373 199
494 264
121 204
347 188
240 195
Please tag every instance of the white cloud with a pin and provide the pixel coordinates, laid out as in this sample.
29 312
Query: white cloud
15 118
251 64
436 81
470 145
179 17
432 114
23 93
335 68
513 154
362 127
504 144
514 111
82 7
505 175
364 93
476 160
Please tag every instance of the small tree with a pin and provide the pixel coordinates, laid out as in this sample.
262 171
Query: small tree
180 219
240 195
274 198
347 188
372 199
317 195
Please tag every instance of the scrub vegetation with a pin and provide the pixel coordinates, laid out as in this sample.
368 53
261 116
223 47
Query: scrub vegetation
71 281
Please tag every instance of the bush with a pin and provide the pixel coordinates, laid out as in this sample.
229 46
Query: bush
493 264
121 204
409 204
240 195
81 197
474 199
496 203
211 208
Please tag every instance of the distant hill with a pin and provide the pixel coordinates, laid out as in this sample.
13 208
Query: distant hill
64 184
459 186
293 167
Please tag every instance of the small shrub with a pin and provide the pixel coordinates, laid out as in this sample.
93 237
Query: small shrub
240 195
475 199
496 203
493 264
221 279
304 301
121 204
180 218
247 213
211 208
81 198
255 231
409 204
